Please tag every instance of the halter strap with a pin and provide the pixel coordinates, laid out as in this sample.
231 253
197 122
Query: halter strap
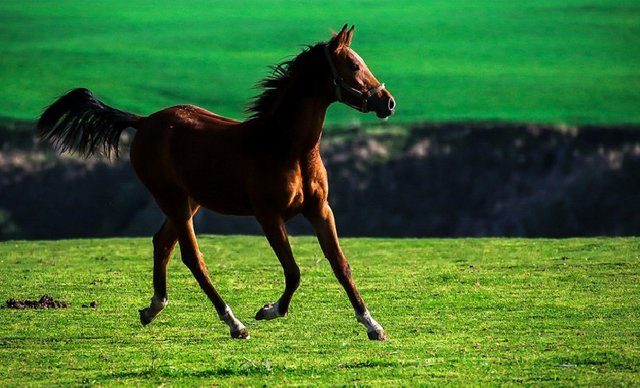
343 86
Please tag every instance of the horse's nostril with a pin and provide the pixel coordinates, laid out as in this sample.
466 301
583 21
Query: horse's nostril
392 104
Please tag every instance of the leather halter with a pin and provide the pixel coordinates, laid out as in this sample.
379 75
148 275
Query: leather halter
342 86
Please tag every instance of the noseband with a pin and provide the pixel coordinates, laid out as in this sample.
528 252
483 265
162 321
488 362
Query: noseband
342 86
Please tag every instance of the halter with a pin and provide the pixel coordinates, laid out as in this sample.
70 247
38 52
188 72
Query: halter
342 86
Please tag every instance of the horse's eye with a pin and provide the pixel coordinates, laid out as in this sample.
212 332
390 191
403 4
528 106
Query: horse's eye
354 66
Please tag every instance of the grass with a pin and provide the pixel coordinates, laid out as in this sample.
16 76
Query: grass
458 311
545 61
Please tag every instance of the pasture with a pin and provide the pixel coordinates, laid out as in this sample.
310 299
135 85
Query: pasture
457 311
544 61
460 312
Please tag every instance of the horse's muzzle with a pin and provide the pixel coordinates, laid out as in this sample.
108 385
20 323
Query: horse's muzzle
384 106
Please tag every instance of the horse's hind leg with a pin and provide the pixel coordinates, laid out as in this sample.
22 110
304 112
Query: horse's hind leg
193 259
276 233
179 227
163 243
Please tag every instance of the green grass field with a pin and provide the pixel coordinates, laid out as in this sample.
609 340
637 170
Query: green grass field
458 312
573 61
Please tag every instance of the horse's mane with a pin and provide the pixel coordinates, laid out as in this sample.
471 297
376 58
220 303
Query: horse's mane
274 86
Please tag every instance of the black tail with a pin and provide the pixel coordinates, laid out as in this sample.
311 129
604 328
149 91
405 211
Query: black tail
78 122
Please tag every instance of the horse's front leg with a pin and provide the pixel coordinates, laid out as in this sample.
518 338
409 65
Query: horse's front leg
324 225
276 232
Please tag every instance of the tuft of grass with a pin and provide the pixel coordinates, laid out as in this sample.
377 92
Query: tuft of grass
545 61
458 311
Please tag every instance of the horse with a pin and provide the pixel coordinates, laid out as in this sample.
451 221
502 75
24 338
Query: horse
267 166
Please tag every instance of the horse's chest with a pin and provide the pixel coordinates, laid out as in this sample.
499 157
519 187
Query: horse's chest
288 189
309 189
295 194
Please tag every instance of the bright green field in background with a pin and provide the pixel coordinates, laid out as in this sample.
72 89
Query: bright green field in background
548 61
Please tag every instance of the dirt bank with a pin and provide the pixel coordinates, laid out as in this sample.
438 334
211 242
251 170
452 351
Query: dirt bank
454 179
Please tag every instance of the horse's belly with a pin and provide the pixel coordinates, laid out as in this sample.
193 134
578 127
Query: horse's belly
222 197
227 206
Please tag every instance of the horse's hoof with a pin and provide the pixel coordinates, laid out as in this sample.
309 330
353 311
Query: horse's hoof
263 312
144 318
268 312
242 333
377 335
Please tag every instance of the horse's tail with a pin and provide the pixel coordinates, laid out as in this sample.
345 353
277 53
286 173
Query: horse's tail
78 122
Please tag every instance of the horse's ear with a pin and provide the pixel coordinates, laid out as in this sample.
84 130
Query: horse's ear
339 39
340 35
349 36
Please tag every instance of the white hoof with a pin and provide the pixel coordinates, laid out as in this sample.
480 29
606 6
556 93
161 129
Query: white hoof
150 313
374 329
236 328
268 312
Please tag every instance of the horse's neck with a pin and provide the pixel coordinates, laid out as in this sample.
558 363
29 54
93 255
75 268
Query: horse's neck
300 119
307 128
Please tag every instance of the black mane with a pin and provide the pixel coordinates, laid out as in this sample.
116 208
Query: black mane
306 64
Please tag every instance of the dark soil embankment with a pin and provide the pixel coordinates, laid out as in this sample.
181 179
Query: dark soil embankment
468 179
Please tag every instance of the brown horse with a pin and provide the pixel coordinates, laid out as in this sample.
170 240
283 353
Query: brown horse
268 166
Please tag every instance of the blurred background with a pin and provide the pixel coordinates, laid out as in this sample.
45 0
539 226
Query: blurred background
513 118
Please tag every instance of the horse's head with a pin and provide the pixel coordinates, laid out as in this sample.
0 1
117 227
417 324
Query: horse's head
354 83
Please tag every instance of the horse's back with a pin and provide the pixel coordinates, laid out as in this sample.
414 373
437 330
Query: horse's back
191 113
187 118
194 151
180 132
